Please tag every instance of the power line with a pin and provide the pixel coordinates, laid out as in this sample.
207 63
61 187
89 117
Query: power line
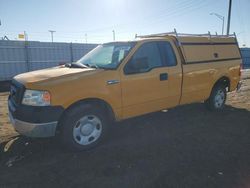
179 9
185 10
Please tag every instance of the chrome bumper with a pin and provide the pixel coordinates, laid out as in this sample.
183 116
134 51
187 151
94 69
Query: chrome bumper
33 129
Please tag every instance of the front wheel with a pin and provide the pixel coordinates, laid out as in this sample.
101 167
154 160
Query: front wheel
217 99
84 127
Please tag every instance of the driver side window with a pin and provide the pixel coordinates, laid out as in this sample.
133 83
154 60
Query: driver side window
145 58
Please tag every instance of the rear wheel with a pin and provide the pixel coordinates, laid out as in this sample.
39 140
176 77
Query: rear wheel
217 99
83 127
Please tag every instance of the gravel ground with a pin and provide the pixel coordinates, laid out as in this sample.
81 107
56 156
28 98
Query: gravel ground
186 146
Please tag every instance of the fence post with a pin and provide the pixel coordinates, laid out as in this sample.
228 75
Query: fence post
71 52
26 49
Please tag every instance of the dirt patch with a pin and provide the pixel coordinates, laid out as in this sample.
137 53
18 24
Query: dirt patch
6 131
187 146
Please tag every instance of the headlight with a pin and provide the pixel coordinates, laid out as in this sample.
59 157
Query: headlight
36 98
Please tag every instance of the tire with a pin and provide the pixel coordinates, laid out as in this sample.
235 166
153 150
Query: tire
83 127
217 99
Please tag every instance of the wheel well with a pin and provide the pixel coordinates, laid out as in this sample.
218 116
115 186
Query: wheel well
90 101
223 81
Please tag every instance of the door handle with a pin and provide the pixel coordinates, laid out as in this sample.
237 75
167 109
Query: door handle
111 82
163 76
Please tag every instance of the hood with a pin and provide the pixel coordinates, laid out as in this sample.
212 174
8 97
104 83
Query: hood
51 74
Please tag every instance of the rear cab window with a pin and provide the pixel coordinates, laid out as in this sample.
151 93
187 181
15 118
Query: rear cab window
167 53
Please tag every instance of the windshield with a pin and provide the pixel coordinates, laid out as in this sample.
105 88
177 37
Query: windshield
107 56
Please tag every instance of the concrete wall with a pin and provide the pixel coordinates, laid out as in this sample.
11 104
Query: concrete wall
18 56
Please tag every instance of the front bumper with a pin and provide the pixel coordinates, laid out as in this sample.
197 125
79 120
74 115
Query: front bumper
34 121
33 129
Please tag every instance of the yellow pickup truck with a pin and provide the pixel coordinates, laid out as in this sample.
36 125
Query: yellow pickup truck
119 80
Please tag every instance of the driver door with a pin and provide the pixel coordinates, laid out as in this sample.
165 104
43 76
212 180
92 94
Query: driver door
144 81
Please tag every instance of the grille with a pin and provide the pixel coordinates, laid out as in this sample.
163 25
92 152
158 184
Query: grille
16 92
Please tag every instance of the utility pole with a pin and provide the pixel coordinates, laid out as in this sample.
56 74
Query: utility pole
221 18
113 35
86 38
52 35
229 17
25 36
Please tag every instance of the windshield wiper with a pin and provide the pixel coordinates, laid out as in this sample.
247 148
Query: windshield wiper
75 65
91 66
98 67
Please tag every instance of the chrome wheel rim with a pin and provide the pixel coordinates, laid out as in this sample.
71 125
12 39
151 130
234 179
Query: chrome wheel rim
87 130
219 98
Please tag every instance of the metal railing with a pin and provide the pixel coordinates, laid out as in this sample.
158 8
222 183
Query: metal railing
176 34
